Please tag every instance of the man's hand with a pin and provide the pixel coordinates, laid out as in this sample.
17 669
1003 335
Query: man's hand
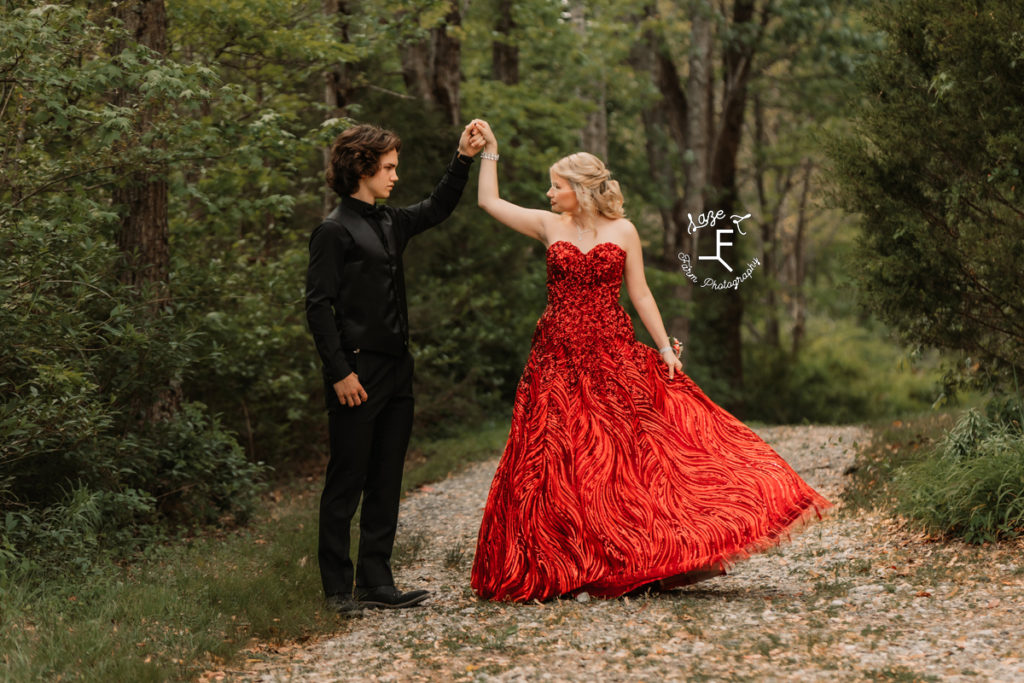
350 392
471 141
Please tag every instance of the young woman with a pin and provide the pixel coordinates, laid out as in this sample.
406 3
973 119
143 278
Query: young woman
618 472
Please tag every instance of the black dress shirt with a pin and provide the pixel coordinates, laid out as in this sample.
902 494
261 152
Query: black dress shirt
335 308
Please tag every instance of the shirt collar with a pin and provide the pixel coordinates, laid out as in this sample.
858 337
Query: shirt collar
361 207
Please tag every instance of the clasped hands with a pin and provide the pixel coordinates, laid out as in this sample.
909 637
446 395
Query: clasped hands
473 139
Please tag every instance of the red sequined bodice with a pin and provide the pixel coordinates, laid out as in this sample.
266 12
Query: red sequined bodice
583 310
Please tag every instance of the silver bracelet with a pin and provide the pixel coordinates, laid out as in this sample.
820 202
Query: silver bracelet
664 349
489 155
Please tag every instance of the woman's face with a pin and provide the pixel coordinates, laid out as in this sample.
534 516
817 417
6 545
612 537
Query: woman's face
562 196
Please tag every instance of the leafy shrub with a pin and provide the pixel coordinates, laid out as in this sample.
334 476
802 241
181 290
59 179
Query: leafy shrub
255 364
86 465
844 374
79 356
471 326
941 201
972 485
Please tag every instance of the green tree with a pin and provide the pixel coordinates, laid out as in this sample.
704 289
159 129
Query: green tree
242 210
83 350
735 93
934 168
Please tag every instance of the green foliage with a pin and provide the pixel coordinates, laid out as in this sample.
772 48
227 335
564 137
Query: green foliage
194 605
257 367
972 485
172 615
475 288
240 217
471 332
893 445
77 359
935 169
435 459
83 357
847 373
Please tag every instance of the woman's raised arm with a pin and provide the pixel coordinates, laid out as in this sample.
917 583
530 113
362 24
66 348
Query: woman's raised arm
531 222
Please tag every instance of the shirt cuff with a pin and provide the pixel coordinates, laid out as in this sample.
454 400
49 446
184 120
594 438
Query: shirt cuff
460 164
339 368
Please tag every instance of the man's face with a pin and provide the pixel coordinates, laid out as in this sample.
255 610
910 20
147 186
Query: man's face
383 181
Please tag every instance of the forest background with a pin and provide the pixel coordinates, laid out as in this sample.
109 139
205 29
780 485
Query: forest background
162 168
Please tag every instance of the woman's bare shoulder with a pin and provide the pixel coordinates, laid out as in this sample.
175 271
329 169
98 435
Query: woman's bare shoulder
623 231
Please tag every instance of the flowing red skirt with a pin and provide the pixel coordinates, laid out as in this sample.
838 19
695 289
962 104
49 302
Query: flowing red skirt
615 476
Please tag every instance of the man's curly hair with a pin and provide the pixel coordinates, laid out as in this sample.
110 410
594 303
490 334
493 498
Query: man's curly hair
356 154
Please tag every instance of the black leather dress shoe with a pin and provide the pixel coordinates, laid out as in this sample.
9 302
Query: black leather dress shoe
344 605
389 597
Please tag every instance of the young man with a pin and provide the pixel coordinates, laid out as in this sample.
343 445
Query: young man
356 309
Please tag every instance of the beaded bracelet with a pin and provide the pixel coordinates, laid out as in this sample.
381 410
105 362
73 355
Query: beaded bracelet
674 345
489 155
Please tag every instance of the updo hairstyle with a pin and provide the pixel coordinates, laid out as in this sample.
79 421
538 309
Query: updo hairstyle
595 191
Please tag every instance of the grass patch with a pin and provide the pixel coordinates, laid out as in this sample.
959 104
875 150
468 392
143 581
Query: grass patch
435 460
894 444
952 474
199 602
455 557
972 484
899 674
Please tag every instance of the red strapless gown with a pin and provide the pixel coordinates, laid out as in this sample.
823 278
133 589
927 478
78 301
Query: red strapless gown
614 475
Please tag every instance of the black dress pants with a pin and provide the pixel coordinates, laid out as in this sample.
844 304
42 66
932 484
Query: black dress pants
368 446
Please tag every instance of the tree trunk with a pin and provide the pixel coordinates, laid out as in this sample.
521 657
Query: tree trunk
504 52
769 222
695 145
725 307
675 112
657 138
594 136
799 300
771 217
144 234
337 87
659 164
680 119
432 68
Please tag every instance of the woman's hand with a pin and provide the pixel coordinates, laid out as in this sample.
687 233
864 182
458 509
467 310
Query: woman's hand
673 363
483 129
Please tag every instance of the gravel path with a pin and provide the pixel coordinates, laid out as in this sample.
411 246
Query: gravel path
851 598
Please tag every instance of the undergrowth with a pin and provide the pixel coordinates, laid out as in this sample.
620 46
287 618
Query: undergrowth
196 603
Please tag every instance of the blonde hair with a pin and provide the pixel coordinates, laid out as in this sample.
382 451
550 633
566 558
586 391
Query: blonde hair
591 180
